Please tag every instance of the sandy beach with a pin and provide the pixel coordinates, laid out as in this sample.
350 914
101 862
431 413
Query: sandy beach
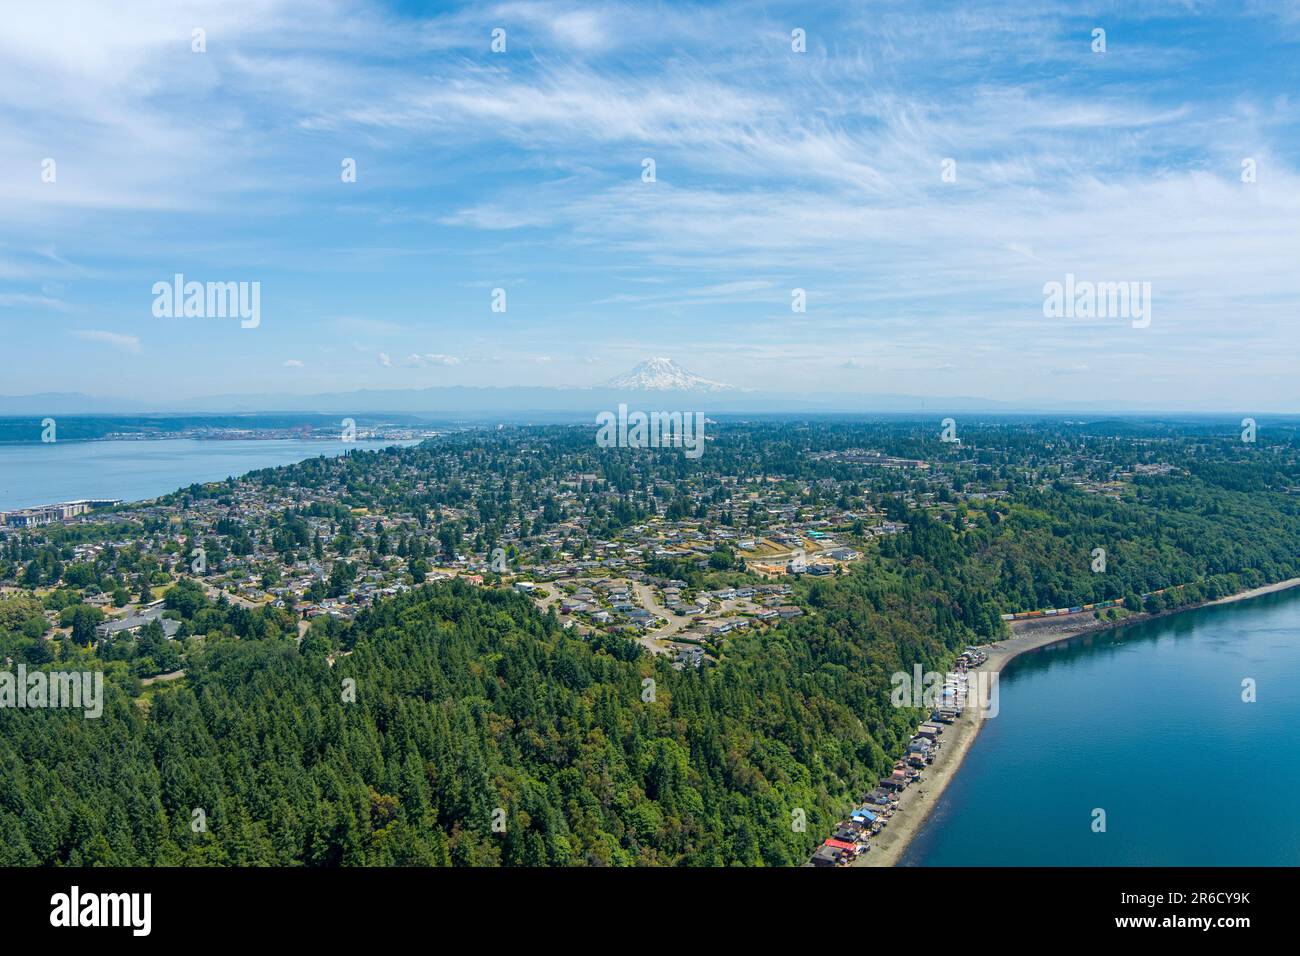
918 800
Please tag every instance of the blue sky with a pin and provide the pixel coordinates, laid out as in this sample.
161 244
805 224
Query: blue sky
775 170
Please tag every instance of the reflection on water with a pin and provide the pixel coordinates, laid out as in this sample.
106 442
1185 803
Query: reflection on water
1147 723
37 474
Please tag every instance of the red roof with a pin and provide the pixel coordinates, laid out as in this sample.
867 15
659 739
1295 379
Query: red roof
839 844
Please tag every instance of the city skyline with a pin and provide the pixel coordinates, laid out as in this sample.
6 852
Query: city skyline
921 210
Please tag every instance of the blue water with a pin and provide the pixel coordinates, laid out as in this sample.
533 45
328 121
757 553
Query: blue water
1147 723
37 474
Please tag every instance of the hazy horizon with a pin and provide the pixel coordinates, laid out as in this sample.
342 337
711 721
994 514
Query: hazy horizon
385 176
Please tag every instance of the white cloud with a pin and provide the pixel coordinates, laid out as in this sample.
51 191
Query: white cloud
19 300
774 171
421 360
127 343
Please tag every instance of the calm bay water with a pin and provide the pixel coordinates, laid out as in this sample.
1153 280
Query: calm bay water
38 474
1147 723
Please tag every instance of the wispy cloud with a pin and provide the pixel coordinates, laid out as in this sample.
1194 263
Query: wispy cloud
418 360
824 170
127 343
20 300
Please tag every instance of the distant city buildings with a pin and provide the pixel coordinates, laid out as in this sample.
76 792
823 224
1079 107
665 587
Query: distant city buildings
45 514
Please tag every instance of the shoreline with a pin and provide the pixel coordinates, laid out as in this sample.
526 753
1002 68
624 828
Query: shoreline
297 449
180 436
918 801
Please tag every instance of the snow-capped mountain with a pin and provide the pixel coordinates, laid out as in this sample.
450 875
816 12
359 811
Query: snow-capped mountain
664 375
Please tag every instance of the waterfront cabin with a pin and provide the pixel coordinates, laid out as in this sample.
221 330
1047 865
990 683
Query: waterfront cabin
872 822
827 856
849 831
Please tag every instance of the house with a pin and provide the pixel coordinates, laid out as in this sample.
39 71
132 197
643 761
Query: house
690 656
133 624
850 831
827 856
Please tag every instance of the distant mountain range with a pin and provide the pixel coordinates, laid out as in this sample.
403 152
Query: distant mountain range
654 384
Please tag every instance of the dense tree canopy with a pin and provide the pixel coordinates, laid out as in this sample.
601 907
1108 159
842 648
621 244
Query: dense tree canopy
459 725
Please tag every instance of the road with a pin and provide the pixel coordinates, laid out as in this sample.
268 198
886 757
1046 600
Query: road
170 675
645 595
215 593
553 594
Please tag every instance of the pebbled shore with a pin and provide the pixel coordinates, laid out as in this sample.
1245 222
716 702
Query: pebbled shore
918 800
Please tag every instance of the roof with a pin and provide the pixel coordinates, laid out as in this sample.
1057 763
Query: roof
827 854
